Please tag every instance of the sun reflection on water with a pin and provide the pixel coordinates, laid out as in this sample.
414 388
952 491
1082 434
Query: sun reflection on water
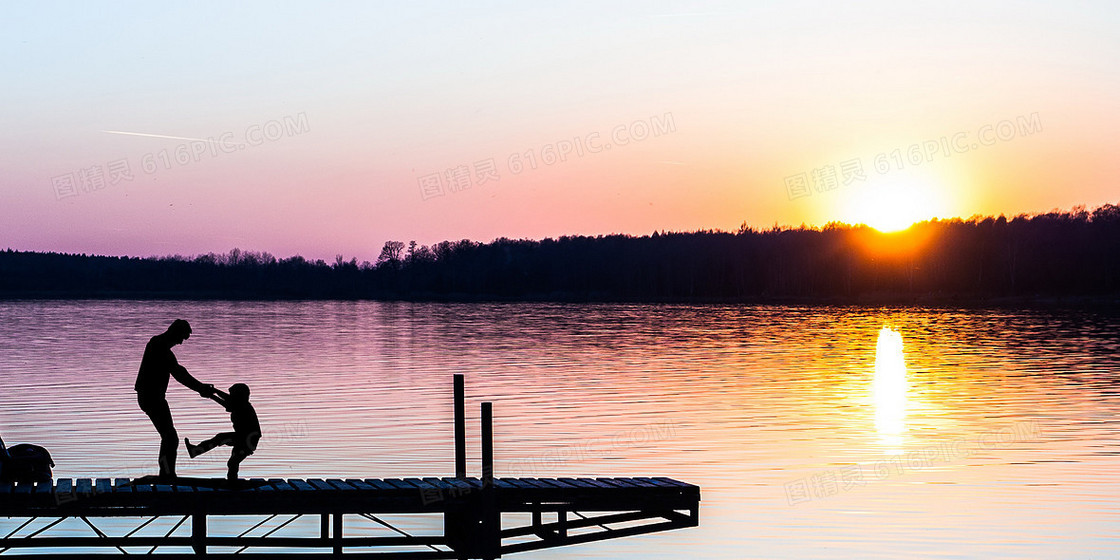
890 388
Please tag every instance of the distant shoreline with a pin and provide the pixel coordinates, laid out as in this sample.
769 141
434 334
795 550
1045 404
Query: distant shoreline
1058 258
870 300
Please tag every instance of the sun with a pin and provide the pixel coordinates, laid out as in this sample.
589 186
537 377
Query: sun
895 203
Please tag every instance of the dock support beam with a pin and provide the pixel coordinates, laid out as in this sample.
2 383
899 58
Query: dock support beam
460 428
198 532
490 533
337 537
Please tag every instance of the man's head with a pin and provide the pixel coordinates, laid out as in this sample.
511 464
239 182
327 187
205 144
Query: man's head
179 330
239 391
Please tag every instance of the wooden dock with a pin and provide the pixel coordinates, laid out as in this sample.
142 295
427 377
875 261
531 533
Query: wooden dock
482 517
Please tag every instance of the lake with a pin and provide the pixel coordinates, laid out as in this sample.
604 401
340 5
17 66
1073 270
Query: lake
999 439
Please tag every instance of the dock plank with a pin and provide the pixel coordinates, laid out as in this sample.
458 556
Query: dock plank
301 485
24 489
594 483
518 483
653 482
340 484
557 483
575 483
421 484
437 483
360 484
259 485
63 489
44 489
560 483
458 483
122 485
399 484
538 483
380 484
635 481
673 482
281 485
320 484
620 483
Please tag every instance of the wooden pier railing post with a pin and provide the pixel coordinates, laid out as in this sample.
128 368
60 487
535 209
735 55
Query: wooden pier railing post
460 429
457 524
487 444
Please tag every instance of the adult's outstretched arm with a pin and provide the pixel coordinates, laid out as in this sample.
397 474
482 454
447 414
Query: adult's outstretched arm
181 375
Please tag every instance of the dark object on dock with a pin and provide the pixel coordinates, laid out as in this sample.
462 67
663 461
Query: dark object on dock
480 515
24 463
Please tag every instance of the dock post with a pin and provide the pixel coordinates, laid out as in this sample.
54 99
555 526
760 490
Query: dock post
460 429
457 521
198 532
487 444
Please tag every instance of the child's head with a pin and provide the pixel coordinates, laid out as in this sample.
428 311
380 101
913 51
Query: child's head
239 391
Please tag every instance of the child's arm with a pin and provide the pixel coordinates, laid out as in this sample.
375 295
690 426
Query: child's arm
219 397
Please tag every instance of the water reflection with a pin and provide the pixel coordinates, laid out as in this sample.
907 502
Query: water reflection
890 389
1008 421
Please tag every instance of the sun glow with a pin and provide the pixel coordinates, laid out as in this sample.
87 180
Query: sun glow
890 386
894 204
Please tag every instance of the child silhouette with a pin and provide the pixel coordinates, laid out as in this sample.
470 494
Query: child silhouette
246 428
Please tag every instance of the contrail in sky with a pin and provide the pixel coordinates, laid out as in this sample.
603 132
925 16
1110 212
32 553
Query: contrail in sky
158 136
688 14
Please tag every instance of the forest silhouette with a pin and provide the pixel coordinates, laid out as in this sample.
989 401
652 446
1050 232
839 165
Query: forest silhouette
1054 254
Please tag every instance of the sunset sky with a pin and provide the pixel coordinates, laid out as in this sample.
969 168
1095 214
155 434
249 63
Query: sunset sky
303 129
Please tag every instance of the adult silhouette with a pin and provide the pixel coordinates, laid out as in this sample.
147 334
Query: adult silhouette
156 368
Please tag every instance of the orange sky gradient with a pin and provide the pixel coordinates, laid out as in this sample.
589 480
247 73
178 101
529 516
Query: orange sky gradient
328 125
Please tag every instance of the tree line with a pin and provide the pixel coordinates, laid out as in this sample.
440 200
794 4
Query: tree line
1054 254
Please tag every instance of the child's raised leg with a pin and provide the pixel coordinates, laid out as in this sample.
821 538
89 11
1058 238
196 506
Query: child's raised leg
224 438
